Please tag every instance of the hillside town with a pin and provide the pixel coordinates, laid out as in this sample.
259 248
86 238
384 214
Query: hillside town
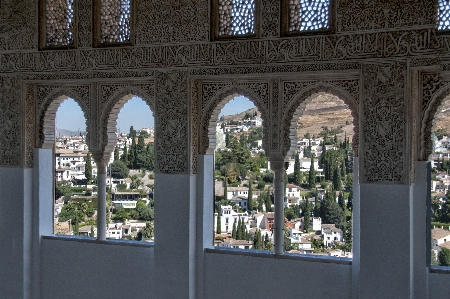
440 198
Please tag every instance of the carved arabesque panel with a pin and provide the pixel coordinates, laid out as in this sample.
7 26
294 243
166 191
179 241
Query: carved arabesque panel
296 94
11 114
113 98
48 100
84 23
18 26
384 124
171 21
270 22
214 96
171 122
434 92
30 122
365 15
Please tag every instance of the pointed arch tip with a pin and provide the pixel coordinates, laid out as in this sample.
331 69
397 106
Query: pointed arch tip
307 95
217 102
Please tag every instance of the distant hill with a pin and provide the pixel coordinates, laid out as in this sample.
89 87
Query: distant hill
239 116
64 132
325 110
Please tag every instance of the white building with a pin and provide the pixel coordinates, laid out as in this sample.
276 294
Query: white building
331 234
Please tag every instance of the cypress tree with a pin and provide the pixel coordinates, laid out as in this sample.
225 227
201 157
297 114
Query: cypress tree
297 172
88 168
116 154
312 175
233 232
306 216
239 230
133 160
219 221
337 183
225 188
125 155
250 195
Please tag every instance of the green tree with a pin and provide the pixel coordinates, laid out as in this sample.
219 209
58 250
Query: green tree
233 231
116 153
148 230
133 154
306 215
444 257
124 157
297 171
218 223
287 239
141 153
337 183
250 195
150 157
312 175
268 201
267 244
88 168
225 188
62 188
331 212
257 240
119 170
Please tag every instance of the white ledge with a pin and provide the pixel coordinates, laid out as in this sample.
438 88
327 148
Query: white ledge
127 243
289 256
440 269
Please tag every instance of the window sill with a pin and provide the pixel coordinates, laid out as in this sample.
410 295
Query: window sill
440 269
127 243
289 256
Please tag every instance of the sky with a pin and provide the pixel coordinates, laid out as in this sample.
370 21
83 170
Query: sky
134 113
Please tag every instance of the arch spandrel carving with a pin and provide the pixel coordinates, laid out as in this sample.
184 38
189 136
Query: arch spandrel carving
435 91
298 93
113 98
214 96
49 98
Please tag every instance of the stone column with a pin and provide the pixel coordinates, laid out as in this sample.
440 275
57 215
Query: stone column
277 167
101 159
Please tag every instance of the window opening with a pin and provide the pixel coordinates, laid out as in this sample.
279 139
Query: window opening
58 23
243 200
309 15
319 177
75 202
115 21
236 17
444 15
440 188
130 176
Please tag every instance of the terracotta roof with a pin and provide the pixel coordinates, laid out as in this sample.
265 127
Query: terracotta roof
438 233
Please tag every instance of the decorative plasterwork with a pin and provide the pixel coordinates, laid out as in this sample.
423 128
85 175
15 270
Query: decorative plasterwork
213 96
172 122
84 23
112 98
354 15
11 117
383 149
435 90
47 101
171 21
270 20
307 49
18 25
30 123
296 94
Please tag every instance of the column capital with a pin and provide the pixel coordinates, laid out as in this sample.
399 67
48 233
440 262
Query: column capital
102 160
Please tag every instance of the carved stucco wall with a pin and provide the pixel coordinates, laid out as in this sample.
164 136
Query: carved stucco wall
11 116
354 15
381 33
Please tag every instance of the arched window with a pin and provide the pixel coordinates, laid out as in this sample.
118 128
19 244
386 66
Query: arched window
319 195
113 22
239 162
235 17
307 15
440 188
75 174
57 19
444 15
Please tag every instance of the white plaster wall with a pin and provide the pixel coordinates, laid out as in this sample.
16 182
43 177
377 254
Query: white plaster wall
15 232
270 277
438 285
87 269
